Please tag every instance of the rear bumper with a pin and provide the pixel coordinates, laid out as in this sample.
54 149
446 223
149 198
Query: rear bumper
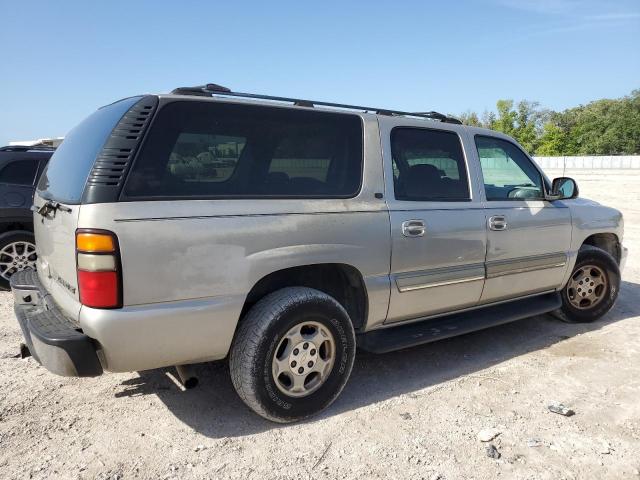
53 339
142 337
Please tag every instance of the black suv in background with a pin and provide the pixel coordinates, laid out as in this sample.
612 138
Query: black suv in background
20 168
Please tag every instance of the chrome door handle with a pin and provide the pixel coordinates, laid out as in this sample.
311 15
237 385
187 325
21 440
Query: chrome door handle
413 228
498 223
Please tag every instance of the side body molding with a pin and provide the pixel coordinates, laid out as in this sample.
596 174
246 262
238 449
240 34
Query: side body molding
448 276
525 264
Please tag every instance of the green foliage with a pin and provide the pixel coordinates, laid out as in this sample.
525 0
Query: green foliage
506 117
489 119
603 127
553 141
470 118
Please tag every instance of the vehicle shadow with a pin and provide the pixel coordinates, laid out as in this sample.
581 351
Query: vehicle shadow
213 408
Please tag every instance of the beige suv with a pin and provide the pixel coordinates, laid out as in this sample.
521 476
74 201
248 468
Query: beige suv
282 233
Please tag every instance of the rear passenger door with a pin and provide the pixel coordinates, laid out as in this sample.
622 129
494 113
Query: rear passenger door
528 238
437 222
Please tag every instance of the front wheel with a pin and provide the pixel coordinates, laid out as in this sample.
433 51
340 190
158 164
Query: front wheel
592 288
293 354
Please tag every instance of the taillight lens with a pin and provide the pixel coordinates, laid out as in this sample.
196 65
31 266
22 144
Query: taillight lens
98 263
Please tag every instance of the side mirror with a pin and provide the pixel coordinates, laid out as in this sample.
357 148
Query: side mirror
563 188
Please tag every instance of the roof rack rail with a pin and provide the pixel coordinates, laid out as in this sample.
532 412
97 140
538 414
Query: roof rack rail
27 148
212 89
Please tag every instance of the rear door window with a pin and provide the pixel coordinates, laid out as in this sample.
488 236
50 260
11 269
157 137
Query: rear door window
223 150
19 172
428 165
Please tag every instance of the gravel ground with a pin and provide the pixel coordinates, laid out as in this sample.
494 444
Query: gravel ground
410 414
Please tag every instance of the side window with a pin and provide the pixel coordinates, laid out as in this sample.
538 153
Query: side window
200 157
508 173
304 155
220 150
19 172
428 165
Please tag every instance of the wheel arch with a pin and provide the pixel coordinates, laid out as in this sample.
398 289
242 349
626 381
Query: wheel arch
606 241
16 225
342 281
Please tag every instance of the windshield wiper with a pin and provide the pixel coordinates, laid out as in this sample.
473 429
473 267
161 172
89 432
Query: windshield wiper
50 207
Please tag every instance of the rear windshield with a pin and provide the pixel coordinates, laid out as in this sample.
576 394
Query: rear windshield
65 176
221 150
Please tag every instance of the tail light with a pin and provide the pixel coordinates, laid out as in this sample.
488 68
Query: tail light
99 271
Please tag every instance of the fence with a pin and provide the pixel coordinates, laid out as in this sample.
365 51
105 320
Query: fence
587 162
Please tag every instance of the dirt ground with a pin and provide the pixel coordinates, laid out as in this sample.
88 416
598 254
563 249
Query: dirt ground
411 414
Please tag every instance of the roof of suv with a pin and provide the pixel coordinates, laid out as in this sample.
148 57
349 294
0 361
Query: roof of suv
22 152
214 90
28 148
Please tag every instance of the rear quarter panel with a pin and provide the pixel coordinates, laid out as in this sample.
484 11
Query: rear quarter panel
223 248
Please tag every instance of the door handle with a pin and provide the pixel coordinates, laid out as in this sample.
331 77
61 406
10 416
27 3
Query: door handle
413 228
498 223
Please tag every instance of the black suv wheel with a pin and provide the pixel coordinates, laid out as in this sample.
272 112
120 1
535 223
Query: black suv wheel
292 354
592 288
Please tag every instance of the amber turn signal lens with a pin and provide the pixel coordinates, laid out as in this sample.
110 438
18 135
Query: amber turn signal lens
95 242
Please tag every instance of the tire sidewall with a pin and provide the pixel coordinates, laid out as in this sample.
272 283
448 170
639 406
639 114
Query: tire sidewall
319 309
601 259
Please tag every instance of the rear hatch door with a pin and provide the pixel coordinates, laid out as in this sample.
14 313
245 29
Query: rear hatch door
55 243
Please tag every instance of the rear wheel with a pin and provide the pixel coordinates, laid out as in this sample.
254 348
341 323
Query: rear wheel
592 288
17 252
292 354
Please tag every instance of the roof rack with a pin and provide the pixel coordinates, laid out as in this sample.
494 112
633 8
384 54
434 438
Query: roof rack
27 148
211 89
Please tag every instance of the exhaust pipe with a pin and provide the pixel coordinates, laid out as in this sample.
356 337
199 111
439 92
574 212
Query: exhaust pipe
188 378
24 351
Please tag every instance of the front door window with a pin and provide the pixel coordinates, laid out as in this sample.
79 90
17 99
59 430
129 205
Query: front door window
508 173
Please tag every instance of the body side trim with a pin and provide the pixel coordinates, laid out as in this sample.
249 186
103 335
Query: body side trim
407 282
525 264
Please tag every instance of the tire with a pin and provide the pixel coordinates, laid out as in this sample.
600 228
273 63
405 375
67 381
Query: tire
604 265
23 258
262 342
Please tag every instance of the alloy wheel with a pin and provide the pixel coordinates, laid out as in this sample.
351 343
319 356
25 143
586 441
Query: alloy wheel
587 287
17 256
303 359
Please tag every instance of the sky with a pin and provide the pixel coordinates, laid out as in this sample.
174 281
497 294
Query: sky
62 60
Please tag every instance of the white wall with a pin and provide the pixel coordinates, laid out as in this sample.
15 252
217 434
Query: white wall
602 161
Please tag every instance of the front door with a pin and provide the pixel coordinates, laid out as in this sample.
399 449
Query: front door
528 238
437 222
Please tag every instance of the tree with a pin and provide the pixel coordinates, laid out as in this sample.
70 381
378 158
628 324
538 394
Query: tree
602 127
605 127
524 123
528 129
505 122
553 140
470 118
488 119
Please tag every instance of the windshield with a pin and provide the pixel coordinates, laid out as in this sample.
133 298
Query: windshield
66 175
